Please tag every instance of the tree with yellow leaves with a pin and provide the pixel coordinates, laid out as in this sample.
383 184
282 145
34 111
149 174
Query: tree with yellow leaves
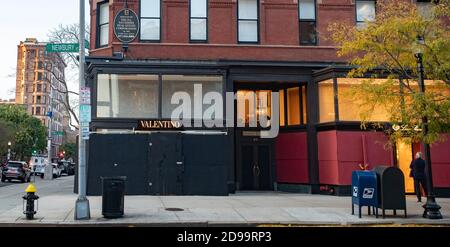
386 48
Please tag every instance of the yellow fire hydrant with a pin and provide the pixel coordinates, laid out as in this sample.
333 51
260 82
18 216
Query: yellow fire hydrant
29 199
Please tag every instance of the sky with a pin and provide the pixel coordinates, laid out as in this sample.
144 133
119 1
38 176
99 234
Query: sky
29 19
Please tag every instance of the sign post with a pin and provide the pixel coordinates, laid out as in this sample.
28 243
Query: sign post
82 210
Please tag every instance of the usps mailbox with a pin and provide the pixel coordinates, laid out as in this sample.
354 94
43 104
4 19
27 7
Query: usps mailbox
391 189
364 190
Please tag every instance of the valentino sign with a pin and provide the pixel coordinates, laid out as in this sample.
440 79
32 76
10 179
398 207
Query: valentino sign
126 25
159 125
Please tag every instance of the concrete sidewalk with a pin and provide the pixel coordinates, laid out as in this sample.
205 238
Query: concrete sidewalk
244 209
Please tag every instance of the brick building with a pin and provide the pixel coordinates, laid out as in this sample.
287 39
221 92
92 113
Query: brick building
36 71
238 46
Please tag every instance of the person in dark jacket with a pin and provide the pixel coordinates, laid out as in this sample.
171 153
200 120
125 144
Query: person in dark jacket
418 172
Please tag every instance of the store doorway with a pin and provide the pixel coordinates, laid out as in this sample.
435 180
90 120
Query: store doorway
254 155
404 157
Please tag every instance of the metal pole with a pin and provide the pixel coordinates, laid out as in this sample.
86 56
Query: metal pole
431 207
82 211
50 123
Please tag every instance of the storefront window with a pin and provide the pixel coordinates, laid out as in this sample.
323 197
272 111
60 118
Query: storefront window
305 104
252 106
351 109
326 101
127 96
293 106
190 85
282 111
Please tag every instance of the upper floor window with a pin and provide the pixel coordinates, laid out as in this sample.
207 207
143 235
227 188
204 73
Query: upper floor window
198 20
103 24
365 11
307 22
248 18
150 20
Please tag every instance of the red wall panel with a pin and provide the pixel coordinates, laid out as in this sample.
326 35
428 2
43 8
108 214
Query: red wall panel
440 159
341 152
292 158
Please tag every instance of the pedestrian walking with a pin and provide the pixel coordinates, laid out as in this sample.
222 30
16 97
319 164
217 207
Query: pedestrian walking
418 173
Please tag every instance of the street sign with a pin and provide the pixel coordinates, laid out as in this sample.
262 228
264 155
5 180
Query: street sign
58 133
50 114
62 47
85 96
85 133
85 113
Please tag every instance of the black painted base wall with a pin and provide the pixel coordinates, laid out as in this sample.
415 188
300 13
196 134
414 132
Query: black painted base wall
160 164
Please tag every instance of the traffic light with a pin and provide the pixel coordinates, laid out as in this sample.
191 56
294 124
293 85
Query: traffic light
35 152
62 154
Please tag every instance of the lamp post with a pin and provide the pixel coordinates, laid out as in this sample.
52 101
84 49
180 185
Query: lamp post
432 209
9 151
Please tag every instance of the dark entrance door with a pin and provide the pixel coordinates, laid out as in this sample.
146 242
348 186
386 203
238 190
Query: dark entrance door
256 170
166 164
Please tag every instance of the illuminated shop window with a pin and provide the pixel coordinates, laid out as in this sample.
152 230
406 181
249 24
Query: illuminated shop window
293 106
350 109
282 106
326 102
252 105
305 104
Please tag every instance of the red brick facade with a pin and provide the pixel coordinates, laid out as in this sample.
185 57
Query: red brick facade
278 30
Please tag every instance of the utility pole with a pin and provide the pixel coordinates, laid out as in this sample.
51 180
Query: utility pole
82 211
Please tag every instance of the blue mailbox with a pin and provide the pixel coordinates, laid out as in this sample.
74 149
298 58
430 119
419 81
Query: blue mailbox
364 190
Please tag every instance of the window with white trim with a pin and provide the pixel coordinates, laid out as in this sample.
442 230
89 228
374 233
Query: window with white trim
248 21
198 18
150 20
365 12
307 22
103 25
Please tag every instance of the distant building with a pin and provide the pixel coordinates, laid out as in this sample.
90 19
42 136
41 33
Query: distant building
36 71
7 101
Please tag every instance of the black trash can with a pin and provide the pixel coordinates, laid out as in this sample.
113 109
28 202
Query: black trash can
113 197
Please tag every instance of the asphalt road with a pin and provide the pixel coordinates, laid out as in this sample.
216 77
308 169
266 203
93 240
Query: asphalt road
11 193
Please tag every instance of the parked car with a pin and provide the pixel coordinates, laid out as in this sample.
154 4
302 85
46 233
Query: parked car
17 170
67 167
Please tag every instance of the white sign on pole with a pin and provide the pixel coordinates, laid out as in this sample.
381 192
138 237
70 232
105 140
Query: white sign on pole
85 96
85 133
